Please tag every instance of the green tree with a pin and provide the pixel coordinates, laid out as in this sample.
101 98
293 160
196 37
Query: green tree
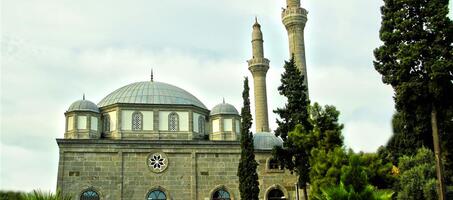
326 167
379 171
296 112
353 183
248 177
402 142
417 176
416 59
326 127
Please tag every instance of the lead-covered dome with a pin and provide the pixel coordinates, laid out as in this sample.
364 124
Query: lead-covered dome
224 108
150 92
83 105
266 141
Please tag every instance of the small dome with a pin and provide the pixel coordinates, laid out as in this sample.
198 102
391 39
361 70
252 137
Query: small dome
151 92
224 108
266 141
83 105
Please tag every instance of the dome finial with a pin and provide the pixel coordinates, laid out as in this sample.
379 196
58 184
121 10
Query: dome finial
83 96
152 75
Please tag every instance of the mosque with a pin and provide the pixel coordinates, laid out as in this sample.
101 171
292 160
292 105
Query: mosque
155 141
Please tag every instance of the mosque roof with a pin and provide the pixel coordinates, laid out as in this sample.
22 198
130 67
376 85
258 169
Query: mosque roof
224 108
151 92
83 105
266 141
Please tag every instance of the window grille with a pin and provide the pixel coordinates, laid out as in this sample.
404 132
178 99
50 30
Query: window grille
137 121
221 194
89 195
157 195
173 122
201 124
106 125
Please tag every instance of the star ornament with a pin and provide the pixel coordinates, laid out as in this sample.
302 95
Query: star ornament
157 161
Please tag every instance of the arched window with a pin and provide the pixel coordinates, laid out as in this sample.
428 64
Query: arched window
173 122
157 195
106 124
201 124
89 195
273 164
275 194
221 194
137 121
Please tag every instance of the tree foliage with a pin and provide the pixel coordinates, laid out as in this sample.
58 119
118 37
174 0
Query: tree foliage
353 183
294 157
303 127
326 128
326 167
416 59
248 177
296 110
34 195
417 176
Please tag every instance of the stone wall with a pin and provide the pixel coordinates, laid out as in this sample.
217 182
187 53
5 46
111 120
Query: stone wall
118 169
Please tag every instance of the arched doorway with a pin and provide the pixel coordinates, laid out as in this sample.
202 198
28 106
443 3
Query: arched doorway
275 194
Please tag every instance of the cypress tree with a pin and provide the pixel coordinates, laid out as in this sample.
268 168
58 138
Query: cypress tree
416 59
248 177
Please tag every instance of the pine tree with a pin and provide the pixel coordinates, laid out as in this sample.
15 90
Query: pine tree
416 59
294 157
248 177
296 110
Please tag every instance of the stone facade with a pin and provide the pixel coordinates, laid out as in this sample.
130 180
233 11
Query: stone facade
118 169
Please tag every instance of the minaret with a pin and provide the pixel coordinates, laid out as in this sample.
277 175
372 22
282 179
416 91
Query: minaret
294 18
259 65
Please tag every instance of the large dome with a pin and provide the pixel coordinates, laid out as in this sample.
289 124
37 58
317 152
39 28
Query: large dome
150 92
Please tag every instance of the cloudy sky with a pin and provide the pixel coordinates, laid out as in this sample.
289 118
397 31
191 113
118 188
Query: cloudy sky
53 51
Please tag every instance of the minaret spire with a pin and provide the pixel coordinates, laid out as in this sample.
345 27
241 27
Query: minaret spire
294 18
259 65
152 75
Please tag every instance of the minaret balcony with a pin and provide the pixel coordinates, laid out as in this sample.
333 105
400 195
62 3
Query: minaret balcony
290 12
258 61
